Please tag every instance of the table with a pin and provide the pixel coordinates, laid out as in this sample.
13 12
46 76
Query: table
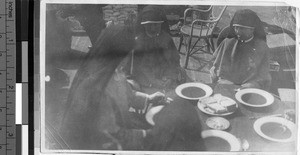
241 124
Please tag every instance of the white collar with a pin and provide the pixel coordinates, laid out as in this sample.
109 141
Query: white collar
245 41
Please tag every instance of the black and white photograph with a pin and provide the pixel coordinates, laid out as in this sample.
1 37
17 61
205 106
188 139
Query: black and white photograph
166 77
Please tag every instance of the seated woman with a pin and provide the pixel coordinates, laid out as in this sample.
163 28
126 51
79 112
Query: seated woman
156 61
243 57
97 116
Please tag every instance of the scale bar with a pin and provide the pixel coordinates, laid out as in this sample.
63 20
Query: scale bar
25 140
18 139
25 103
24 61
18 103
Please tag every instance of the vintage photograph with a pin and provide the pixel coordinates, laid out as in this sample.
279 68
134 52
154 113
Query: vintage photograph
134 77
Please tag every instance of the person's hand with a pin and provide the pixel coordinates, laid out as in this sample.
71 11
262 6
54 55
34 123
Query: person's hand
223 81
249 85
156 97
134 84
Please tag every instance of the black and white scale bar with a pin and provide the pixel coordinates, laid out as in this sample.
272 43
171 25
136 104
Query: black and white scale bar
18 139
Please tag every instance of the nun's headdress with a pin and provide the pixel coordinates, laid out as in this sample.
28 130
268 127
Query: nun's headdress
151 15
249 19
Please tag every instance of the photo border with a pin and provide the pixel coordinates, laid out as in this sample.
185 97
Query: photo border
42 75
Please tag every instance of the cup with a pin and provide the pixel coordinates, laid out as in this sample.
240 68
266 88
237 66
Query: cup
290 115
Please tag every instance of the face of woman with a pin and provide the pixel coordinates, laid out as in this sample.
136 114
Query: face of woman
153 29
243 33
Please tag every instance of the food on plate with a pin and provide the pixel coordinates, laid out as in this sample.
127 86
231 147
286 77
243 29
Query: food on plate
218 123
228 104
218 126
193 92
216 108
254 99
218 104
276 130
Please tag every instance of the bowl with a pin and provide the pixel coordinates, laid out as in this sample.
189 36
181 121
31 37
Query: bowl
217 140
254 97
217 123
193 91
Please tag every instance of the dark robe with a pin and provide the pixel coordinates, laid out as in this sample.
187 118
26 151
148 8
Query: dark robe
243 62
109 125
156 59
177 128
103 122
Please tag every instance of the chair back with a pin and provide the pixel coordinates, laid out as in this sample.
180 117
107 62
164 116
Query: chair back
199 32
198 27
203 12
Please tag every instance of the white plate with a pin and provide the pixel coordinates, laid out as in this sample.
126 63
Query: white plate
151 113
269 98
279 120
203 108
234 143
218 123
204 87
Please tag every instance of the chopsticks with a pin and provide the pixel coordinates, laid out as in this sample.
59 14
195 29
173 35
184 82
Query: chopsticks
256 117
278 97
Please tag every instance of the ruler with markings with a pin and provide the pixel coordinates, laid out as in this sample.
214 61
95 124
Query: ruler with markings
7 77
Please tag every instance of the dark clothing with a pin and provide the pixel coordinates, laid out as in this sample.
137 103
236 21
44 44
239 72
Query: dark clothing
93 117
98 113
110 126
242 63
102 122
177 128
90 17
156 59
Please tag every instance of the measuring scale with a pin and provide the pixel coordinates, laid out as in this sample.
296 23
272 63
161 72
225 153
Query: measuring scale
7 77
